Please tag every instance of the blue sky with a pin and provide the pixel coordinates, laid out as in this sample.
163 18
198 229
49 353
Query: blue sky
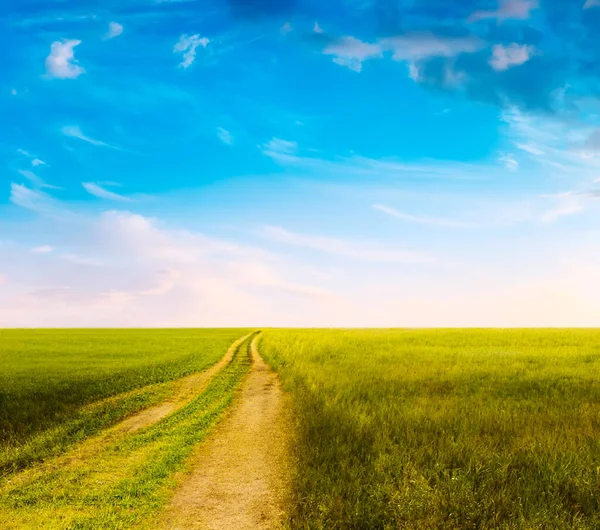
300 163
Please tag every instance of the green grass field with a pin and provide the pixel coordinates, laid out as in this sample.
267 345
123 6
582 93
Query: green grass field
60 386
409 429
443 429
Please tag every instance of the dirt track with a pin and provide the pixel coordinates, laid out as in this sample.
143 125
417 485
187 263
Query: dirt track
240 474
186 389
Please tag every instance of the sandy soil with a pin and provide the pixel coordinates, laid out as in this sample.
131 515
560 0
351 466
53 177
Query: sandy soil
240 474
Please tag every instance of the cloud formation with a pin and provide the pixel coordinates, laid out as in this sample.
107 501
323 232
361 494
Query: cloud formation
74 131
359 251
508 9
505 57
114 30
186 46
419 219
225 136
352 52
102 193
419 46
61 63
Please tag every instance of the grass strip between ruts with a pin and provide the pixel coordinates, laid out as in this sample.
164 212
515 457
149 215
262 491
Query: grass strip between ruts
129 481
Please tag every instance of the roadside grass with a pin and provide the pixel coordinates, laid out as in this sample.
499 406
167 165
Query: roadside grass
127 483
58 387
443 429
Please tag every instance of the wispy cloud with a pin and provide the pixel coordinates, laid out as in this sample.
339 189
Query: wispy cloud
32 177
61 62
565 204
317 28
43 249
34 160
114 30
186 46
352 52
286 28
225 136
418 46
74 131
508 9
357 251
433 221
34 200
102 193
509 162
505 57
591 3
531 149
278 148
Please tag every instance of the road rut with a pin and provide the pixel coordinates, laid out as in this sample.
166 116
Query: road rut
240 475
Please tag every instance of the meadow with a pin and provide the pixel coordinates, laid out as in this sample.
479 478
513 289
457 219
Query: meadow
452 429
392 429
59 386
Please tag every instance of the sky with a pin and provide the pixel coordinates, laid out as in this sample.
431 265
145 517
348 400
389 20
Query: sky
355 163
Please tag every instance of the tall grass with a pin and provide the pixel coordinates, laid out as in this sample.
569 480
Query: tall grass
59 386
443 429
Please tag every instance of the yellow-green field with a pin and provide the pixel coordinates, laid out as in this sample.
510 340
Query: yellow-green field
415 429
443 429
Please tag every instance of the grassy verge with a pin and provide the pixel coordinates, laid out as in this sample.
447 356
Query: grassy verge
443 429
58 387
128 482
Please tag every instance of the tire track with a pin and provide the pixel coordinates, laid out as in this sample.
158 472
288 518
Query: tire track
187 388
240 475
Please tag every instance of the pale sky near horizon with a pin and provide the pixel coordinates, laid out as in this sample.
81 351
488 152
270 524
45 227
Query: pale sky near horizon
300 163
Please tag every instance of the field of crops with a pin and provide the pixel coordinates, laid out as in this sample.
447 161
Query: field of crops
443 429
415 429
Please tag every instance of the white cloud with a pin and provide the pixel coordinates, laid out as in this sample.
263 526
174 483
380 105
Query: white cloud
317 28
565 204
74 131
509 162
14 92
34 160
124 269
286 28
352 52
504 57
32 177
508 9
43 249
31 199
591 3
531 149
225 136
127 270
433 221
418 46
359 251
61 62
186 45
279 149
102 193
114 30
